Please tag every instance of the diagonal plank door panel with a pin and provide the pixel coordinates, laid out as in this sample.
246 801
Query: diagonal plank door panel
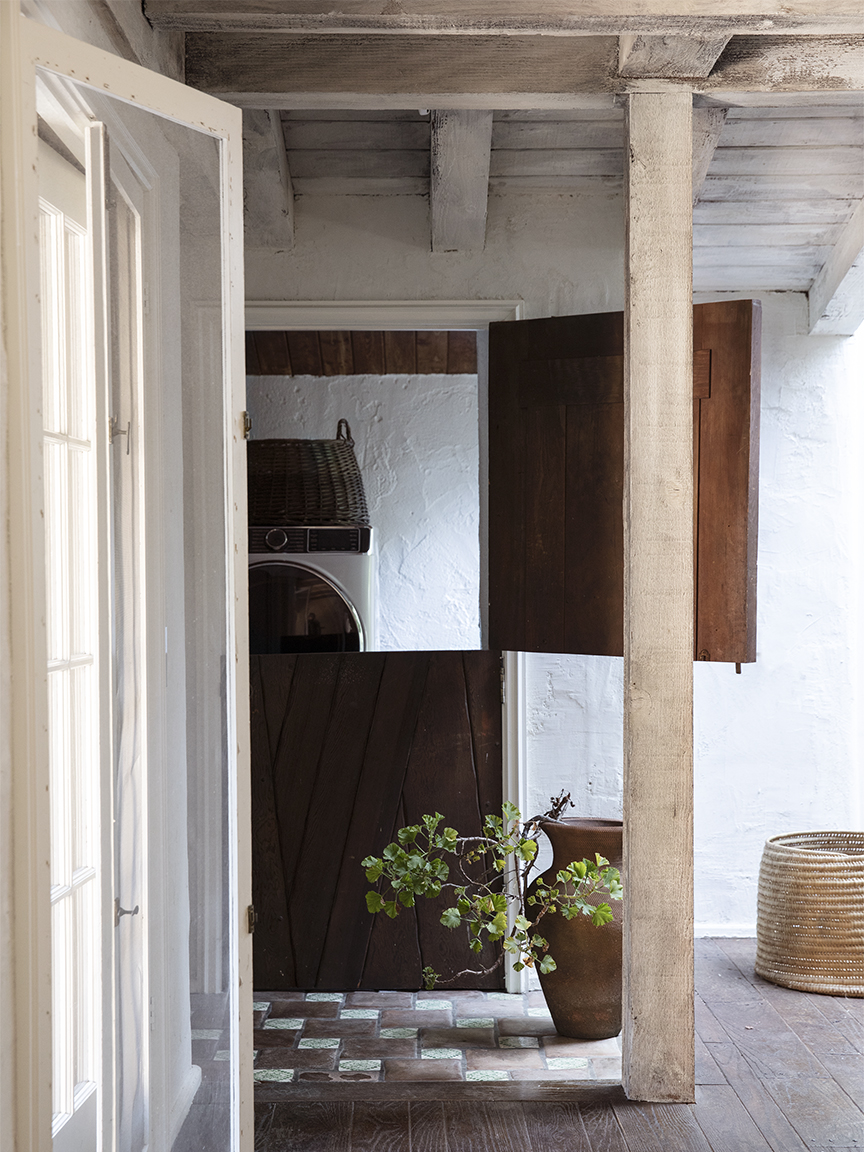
367 742
556 477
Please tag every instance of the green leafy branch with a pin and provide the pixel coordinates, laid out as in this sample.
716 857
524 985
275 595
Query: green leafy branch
490 892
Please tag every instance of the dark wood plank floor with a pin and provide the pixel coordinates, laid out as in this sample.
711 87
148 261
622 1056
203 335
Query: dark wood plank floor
776 1071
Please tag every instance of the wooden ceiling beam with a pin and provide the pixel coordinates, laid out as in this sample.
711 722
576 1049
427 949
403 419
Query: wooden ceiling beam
707 126
836 297
669 57
279 70
459 183
703 18
268 194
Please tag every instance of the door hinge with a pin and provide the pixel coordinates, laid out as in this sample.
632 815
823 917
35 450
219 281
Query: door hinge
247 425
503 677
115 430
251 918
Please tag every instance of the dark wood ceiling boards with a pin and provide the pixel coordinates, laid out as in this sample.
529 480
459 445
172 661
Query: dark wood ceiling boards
360 353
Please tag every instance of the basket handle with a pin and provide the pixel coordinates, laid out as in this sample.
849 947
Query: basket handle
343 432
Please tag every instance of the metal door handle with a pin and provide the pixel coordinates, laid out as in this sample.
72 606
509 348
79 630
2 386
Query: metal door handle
118 911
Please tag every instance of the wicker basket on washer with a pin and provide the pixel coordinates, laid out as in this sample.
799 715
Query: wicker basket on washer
810 919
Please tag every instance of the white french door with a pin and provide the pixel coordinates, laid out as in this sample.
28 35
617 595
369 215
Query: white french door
142 384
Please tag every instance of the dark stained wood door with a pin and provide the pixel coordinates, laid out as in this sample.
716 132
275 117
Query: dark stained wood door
556 482
346 749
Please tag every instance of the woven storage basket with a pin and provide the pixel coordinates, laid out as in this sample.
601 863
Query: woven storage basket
810 918
306 481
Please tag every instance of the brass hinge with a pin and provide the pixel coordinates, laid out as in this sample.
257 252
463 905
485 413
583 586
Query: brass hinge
247 425
251 917
503 677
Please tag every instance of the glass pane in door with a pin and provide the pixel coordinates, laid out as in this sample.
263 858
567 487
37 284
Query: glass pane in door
153 802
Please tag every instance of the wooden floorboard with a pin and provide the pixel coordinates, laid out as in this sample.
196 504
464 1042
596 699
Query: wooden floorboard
650 1127
725 1122
555 1127
777 1071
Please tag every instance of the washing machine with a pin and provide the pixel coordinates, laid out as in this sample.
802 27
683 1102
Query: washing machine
312 588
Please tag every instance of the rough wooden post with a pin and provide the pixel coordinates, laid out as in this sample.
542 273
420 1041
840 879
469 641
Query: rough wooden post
658 599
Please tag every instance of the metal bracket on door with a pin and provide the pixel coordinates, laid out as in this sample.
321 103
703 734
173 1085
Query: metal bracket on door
118 911
114 430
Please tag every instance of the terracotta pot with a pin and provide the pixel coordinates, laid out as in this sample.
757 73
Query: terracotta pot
583 994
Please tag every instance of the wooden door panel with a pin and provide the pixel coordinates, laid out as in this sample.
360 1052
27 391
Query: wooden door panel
367 742
556 467
728 481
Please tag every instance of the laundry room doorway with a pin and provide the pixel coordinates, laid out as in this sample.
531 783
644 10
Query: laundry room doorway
348 748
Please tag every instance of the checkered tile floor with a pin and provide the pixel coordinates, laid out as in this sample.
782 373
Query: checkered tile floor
421 1037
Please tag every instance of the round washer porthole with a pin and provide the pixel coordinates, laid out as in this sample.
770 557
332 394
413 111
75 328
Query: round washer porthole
293 609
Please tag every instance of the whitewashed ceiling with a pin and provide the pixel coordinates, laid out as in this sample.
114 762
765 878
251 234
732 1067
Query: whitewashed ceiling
343 87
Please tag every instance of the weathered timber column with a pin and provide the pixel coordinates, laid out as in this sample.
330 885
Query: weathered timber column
658 599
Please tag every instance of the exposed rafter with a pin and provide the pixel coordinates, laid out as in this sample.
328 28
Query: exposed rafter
707 126
459 179
507 17
268 195
836 299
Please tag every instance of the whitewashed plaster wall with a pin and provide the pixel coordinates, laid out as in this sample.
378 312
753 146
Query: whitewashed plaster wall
778 748
416 442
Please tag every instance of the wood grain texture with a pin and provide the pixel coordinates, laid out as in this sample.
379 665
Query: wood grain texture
648 1127
462 352
431 352
728 481
442 777
381 1127
602 1128
427 1127
366 742
305 353
358 135
760 1105
504 17
263 66
835 299
707 128
555 1128
725 1122
269 894
556 459
493 1127
341 353
262 70
669 57
459 180
313 1127
658 1053
400 352
370 829
368 352
268 198
785 63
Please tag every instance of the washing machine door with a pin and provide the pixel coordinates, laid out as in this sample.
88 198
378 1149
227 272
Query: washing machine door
293 609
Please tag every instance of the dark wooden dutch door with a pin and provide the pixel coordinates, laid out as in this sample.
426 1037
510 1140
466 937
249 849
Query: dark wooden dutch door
556 481
346 749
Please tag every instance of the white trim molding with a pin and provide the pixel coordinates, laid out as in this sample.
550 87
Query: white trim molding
373 315
514 763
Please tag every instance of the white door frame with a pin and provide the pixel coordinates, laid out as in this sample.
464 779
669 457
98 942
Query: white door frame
26 988
438 315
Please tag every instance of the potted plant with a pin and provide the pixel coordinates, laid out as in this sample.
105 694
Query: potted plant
561 924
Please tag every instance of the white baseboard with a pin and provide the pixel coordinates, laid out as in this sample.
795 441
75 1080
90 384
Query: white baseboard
701 930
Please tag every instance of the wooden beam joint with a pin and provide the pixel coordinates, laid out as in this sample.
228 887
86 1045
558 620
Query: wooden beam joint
669 57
